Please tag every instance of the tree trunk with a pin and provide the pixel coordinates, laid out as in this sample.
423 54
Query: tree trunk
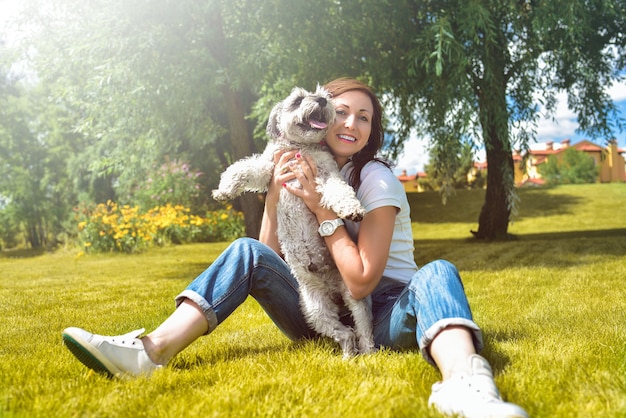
35 232
251 204
240 137
493 222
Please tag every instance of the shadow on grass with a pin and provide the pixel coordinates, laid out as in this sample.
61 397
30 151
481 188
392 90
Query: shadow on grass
497 358
574 235
535 203
236 353
226 354
465 205
548 249
22 253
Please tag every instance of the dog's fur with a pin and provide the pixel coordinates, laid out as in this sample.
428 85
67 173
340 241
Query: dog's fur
300 122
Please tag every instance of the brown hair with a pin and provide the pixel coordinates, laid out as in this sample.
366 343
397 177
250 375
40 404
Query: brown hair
375 141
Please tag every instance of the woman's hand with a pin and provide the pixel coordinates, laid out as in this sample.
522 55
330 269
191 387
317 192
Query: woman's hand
280 176
305 171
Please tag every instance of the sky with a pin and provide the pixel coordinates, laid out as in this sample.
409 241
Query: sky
563 126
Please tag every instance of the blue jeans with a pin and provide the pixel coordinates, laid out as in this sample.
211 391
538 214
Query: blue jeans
406 316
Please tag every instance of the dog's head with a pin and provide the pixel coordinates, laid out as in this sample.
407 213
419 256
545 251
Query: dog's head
303 117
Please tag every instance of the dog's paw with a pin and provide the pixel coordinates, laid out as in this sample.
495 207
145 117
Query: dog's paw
348 342
220 195
366 346
348 208
355 215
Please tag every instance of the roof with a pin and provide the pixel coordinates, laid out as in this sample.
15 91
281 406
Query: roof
533 182
587 146
411 177
481 165
550 148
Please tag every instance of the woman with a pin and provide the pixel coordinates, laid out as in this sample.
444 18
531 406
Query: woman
425 308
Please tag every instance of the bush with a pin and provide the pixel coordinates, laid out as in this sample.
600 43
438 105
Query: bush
575 167
112 227
174 182
9 227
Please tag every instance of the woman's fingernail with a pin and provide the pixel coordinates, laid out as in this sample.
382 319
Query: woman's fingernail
284 184
298 155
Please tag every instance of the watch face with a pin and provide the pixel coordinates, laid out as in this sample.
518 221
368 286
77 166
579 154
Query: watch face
327 227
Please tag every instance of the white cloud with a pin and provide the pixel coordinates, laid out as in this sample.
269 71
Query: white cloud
618 91
565 122
414 156
561 125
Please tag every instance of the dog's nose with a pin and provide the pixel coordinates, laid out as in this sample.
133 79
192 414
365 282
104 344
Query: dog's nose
322 101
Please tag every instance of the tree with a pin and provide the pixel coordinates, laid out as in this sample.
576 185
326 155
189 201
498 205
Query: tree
145 82
449 170
573 167
474 70
33 176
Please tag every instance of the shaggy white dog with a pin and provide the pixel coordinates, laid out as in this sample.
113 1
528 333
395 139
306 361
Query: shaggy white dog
300 122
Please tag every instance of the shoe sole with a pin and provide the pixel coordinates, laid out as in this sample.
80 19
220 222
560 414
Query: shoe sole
89 356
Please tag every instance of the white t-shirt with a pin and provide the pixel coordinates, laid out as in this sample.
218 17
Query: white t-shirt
380 187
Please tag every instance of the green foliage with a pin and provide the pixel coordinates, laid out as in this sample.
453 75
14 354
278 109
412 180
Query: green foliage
115 88
141 90
573 167
450 167
537 299
34 182
9 228
174 182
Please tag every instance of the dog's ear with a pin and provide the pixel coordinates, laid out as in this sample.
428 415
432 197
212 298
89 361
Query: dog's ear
321 91
272 124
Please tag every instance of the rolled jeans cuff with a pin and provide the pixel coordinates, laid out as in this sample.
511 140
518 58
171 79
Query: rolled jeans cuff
440 325
207 309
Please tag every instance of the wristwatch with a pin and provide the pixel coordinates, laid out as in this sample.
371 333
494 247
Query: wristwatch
327 228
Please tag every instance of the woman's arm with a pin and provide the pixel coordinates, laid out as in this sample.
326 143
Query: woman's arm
267 234
361 265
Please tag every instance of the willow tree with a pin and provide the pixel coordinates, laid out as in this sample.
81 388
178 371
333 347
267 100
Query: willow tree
479 69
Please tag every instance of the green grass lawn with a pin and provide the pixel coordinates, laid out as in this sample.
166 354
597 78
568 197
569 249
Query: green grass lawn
552 305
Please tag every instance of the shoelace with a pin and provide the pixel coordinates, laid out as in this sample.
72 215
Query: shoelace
486 390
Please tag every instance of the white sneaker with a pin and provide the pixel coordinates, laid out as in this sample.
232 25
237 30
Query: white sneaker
473 395
118 356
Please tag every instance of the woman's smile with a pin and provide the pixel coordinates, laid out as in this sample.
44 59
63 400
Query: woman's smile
352 127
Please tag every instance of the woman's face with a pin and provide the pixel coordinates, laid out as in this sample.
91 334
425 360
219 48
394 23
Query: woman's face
352 127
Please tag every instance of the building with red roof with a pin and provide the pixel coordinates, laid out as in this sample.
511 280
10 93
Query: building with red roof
609 160
411 181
